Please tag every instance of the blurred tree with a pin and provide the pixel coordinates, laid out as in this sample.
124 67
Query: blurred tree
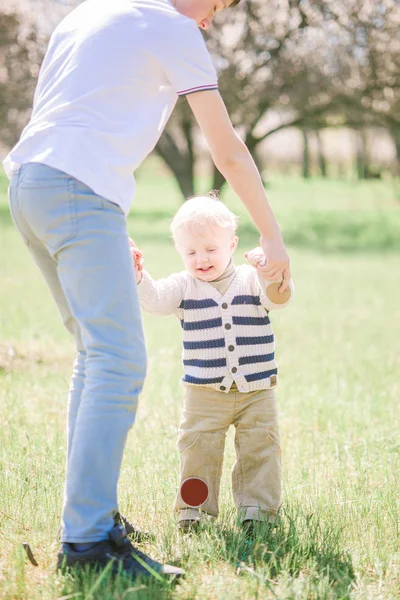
271 59
247 44
368 80
21 51
176 147
24 35
321 155
305 63
306 153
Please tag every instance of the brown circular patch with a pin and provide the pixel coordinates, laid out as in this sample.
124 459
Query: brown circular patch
274 295
194 491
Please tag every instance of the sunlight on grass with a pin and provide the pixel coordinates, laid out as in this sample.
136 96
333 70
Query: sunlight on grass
338 350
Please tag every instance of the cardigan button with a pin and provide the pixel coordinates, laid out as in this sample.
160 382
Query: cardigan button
231 348
234 369
228 326
224 305
222 388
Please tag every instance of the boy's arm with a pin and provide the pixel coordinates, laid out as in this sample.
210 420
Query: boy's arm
270 297
234 161
161 297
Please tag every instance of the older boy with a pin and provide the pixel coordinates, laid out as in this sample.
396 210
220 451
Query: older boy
230 372
108 83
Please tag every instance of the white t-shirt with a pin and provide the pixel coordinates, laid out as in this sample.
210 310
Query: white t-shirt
107 86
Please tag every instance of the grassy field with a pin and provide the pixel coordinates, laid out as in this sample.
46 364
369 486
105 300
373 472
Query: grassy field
338 348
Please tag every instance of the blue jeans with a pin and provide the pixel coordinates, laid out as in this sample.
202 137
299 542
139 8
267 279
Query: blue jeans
79 241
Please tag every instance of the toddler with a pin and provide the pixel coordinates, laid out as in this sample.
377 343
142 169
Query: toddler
230 372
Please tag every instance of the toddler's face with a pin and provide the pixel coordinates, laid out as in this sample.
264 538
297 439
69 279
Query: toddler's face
205 251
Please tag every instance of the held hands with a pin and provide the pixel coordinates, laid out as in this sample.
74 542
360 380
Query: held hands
256 258
276 292
137 258
276 265
268 270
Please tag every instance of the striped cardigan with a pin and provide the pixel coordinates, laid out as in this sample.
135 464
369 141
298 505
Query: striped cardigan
225 338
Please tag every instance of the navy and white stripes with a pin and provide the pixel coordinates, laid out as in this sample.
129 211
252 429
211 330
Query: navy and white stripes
225 338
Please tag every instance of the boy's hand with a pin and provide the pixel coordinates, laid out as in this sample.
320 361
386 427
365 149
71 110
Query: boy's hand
137 257
256 258
275 291
277 264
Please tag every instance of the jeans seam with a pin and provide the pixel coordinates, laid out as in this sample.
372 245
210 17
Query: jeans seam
72 201
71 186
15 208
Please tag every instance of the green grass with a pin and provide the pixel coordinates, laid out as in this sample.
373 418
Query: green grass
338 348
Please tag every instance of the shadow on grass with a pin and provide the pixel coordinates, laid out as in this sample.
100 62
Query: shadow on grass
90 584
298 545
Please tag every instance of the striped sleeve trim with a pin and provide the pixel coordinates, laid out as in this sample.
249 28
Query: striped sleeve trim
204 344
263 375
255 340
205 364
199 88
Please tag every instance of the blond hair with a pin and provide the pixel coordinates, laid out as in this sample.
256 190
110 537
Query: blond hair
203 211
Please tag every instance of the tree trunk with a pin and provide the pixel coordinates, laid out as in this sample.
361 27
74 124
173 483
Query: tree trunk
306 153
395 132
180 160
321 155
218 180
251 143
187 128
361 154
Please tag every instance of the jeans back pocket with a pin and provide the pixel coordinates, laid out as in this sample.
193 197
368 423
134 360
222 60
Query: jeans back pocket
46 198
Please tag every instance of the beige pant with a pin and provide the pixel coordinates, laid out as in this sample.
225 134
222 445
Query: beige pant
256 474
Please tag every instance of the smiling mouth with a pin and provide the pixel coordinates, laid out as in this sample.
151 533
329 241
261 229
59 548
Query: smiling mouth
205 270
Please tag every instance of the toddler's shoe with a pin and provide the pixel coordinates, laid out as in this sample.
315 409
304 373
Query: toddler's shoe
249 526
188 520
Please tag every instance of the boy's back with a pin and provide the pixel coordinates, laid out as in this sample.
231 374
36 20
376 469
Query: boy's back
107 86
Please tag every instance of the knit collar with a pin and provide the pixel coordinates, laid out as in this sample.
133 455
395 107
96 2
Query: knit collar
209 291
227 274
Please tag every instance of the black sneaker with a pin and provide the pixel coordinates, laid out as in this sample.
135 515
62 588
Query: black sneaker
119 550
133 531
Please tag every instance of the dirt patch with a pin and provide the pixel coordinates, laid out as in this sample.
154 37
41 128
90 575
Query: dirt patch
15 357
11 358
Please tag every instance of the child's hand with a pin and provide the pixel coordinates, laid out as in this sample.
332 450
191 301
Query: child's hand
137 258
256 258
